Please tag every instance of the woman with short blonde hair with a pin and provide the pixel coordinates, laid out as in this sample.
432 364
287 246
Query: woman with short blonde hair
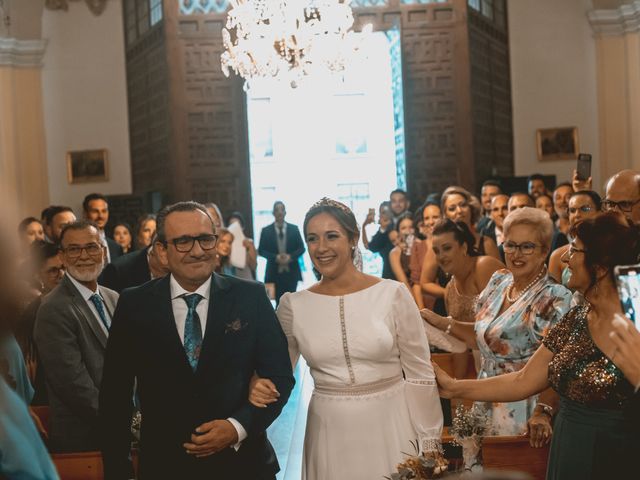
534 218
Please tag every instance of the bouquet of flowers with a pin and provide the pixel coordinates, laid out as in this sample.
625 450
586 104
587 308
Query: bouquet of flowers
467 428
420 467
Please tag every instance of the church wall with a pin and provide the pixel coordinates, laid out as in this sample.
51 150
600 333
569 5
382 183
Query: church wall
85 97
554 81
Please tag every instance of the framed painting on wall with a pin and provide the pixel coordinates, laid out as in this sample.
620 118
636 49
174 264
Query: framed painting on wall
87 166
557 143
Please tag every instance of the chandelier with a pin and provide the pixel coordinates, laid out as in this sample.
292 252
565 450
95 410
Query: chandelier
288 39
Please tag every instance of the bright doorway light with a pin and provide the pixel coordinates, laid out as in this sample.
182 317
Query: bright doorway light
341 138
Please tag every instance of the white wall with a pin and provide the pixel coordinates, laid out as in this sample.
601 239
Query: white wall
553 78
85 97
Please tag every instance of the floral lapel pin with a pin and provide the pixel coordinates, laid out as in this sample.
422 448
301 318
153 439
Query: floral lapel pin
235 326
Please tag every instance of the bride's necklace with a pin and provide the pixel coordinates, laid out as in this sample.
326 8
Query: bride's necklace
525 289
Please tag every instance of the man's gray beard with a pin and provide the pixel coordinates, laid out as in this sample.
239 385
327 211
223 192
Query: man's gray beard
86 276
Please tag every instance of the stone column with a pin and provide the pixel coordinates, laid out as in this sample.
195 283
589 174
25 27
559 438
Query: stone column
617 34
23 165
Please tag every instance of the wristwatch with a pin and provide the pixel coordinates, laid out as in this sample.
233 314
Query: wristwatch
546 409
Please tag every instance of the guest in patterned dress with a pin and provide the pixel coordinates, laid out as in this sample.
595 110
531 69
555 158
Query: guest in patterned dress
595 435
515 311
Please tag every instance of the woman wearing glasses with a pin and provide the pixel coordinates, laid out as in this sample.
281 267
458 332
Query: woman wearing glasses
595 434
514 312
582 204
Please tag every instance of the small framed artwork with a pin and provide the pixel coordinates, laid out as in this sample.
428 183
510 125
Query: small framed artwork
87 166
557 143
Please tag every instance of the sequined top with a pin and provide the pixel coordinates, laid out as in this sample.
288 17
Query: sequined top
579 370
459 306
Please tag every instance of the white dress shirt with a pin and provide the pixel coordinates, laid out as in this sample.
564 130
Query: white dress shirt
86 293
180 310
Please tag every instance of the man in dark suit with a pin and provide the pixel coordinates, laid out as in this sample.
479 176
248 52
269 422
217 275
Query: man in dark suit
282 246
71 330
192 341
96 209
133 269
54 218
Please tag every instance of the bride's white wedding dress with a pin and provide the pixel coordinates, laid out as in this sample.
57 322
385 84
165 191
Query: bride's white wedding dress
363 414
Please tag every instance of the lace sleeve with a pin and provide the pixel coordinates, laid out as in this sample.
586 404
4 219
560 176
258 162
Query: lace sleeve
285 316
421 388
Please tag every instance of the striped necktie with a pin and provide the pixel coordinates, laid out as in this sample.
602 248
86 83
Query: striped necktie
97 302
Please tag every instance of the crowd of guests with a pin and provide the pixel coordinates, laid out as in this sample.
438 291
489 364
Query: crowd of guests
522 281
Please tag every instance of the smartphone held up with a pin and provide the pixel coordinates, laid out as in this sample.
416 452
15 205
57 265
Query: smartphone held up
583 168
628 281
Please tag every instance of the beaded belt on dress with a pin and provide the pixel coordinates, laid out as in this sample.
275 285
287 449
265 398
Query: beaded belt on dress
361 389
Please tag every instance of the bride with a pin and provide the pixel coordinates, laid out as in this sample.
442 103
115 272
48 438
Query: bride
363 338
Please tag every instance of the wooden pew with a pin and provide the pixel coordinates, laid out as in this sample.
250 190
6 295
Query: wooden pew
78 466
514 454
84 465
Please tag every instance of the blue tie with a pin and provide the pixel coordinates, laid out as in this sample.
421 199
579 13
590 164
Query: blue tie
192 330
97 302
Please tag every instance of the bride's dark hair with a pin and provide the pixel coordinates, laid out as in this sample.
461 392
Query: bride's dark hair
337 210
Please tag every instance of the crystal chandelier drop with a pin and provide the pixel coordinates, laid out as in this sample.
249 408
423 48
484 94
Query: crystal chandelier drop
288 39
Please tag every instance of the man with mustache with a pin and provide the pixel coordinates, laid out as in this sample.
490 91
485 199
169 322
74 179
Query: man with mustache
72 326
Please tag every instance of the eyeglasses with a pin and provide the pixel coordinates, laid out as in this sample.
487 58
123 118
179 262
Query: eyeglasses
573 250
624 206
583 209
75 251
185 244
526 248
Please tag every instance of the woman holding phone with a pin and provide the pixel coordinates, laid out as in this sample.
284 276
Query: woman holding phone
400 255
594 433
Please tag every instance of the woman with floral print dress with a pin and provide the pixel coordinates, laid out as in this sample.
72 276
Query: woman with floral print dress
514 312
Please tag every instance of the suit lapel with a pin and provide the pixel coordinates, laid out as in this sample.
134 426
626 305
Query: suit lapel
109 305
218 315
83 309
166 323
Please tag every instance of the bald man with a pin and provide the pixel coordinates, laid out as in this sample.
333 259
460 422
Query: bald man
520 200
623 194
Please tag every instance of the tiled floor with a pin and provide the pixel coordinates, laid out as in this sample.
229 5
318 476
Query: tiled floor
287 432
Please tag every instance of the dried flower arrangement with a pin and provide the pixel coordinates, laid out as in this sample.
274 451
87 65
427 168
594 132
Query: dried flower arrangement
420 467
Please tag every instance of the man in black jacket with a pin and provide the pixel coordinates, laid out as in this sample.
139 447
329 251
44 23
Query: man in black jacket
96 209
133 269
192 340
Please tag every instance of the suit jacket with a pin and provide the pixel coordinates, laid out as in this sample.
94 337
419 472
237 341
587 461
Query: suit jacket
268 249
115 250
130 270
380 243
242 336
71 345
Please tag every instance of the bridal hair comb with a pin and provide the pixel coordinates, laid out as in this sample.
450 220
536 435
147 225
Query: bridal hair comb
328 202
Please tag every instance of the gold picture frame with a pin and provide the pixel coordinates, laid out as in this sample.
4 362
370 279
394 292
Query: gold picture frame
87 166
559 143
